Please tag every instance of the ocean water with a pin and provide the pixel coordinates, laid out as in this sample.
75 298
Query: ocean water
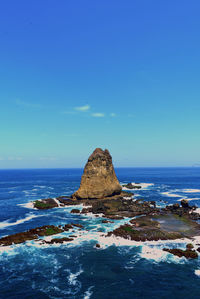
119 269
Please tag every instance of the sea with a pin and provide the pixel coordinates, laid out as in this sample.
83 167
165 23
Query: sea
78 269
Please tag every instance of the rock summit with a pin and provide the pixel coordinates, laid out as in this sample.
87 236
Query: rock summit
99 179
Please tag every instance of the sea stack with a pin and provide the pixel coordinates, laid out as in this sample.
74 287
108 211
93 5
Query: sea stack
99 179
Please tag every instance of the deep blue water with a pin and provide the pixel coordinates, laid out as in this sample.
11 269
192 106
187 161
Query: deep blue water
78 269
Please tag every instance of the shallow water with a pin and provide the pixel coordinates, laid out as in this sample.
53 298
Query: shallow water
79 270
172 223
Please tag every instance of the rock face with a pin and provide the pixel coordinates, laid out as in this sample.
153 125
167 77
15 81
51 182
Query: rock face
99 179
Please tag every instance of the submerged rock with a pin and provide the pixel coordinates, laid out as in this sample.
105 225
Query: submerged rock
99 179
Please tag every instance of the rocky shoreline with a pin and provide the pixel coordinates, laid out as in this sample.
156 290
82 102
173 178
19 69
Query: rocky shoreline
147 222
36 233
144 224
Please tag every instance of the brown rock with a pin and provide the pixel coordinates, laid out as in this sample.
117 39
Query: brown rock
75 211
59 240
31 234
176 206
77 225
107 221
99 179
188 253
67 227
189 246
184 203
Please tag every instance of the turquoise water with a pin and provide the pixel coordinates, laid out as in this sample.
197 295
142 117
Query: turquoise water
78 269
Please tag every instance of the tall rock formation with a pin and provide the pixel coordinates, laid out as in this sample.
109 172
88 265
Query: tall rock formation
99 179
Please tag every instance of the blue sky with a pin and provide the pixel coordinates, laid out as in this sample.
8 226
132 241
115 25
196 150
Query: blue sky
122 75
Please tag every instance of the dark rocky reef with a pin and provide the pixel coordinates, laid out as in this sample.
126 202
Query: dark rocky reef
35 233
144 229
50 203
184 210
132 186
99 179
47 203
75 211
189 253
58 240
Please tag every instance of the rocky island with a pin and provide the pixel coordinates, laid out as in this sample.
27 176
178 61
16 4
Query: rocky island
101 193
99 179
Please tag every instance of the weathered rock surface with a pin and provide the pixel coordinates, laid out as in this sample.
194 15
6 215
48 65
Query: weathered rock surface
99 179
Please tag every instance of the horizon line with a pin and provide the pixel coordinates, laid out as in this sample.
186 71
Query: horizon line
118 167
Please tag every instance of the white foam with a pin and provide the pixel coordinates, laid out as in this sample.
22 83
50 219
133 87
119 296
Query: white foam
88 293
91 215
28 205
143 186
170 194
197 211
146 185
191 190
8 250
58 203
197 272
72 279
38 186
157 254
6 223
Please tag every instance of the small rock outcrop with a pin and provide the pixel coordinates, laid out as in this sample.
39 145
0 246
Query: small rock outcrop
189 253
99 179
185 203
132 186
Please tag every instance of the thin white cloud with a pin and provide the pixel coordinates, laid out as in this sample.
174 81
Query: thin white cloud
98 114
112 114
27 104
83 108
47 158
15 158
